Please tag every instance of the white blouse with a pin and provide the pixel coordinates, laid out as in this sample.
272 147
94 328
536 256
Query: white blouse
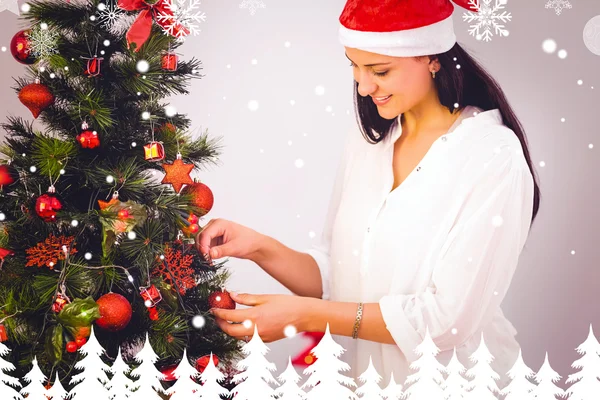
437 252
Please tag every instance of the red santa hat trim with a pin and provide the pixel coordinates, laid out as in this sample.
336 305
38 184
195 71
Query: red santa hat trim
400 28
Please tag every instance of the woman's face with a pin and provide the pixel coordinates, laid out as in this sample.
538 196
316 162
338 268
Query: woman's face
405 80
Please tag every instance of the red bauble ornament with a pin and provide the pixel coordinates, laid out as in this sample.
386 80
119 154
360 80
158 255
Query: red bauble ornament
20 48
7 175
168 373
178 173
192 219
71 347
154 151
203 361
169 61
3 334
115 312
80 342
153 313
37 97
46 207
193 228
201 195
221 299
88 139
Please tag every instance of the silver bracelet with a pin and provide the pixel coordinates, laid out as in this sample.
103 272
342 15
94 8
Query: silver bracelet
359 313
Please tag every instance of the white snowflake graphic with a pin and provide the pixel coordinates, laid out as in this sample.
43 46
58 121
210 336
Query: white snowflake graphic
487 18
185 14
558 5
43 41
252 5
108 14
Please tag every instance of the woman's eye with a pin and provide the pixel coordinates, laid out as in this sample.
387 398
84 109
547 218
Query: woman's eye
380 73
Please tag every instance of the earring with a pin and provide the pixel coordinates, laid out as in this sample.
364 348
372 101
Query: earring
433 74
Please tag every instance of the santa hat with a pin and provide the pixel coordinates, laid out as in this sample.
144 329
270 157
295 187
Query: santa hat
400 28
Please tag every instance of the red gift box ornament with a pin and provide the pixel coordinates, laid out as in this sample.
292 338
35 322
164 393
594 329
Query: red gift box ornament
93 66
3 334
154 151
169 61
151 296
60 302
140 30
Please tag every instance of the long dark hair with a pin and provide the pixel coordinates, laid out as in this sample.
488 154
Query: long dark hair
469 85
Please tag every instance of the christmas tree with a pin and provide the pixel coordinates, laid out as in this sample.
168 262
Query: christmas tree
97 204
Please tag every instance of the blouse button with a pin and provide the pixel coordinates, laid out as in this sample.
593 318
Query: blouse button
444 138
418 168
369 229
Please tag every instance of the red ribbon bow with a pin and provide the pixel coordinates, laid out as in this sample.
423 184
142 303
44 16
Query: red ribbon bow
140 30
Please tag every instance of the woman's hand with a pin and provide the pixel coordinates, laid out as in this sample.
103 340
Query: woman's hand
221 238
270 313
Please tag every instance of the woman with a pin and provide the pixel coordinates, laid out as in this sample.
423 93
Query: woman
430 210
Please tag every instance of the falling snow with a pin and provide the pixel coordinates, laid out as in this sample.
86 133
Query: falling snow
185 14
252 5
109 14
558 5
43 42
489 19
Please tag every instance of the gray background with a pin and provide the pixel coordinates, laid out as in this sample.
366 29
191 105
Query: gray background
554 294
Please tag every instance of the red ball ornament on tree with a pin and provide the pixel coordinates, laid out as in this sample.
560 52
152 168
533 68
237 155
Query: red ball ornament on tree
71 347
221 299
3 334
168 373
20 47
46 207
202 196
115 312
203 361
80 342
37 97
88 139
123 214
7 175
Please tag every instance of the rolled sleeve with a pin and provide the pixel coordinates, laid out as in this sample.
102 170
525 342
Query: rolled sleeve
477 261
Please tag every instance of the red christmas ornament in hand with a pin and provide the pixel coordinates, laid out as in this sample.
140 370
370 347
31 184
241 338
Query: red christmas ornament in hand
202 196
221 299
20 48
37 97
46 207
115 312
203 361
88 139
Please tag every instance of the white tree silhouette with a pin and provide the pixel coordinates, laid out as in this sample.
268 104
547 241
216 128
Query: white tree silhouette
370 390
456 383
35 390
57 391
148 384
289 389
483 386
520 386
93 378
545 378
585 382
393 391
185 388
120 384
325 377
6 391
428 381
256 376
210 378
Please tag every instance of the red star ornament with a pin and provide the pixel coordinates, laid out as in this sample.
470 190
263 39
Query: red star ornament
178 174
